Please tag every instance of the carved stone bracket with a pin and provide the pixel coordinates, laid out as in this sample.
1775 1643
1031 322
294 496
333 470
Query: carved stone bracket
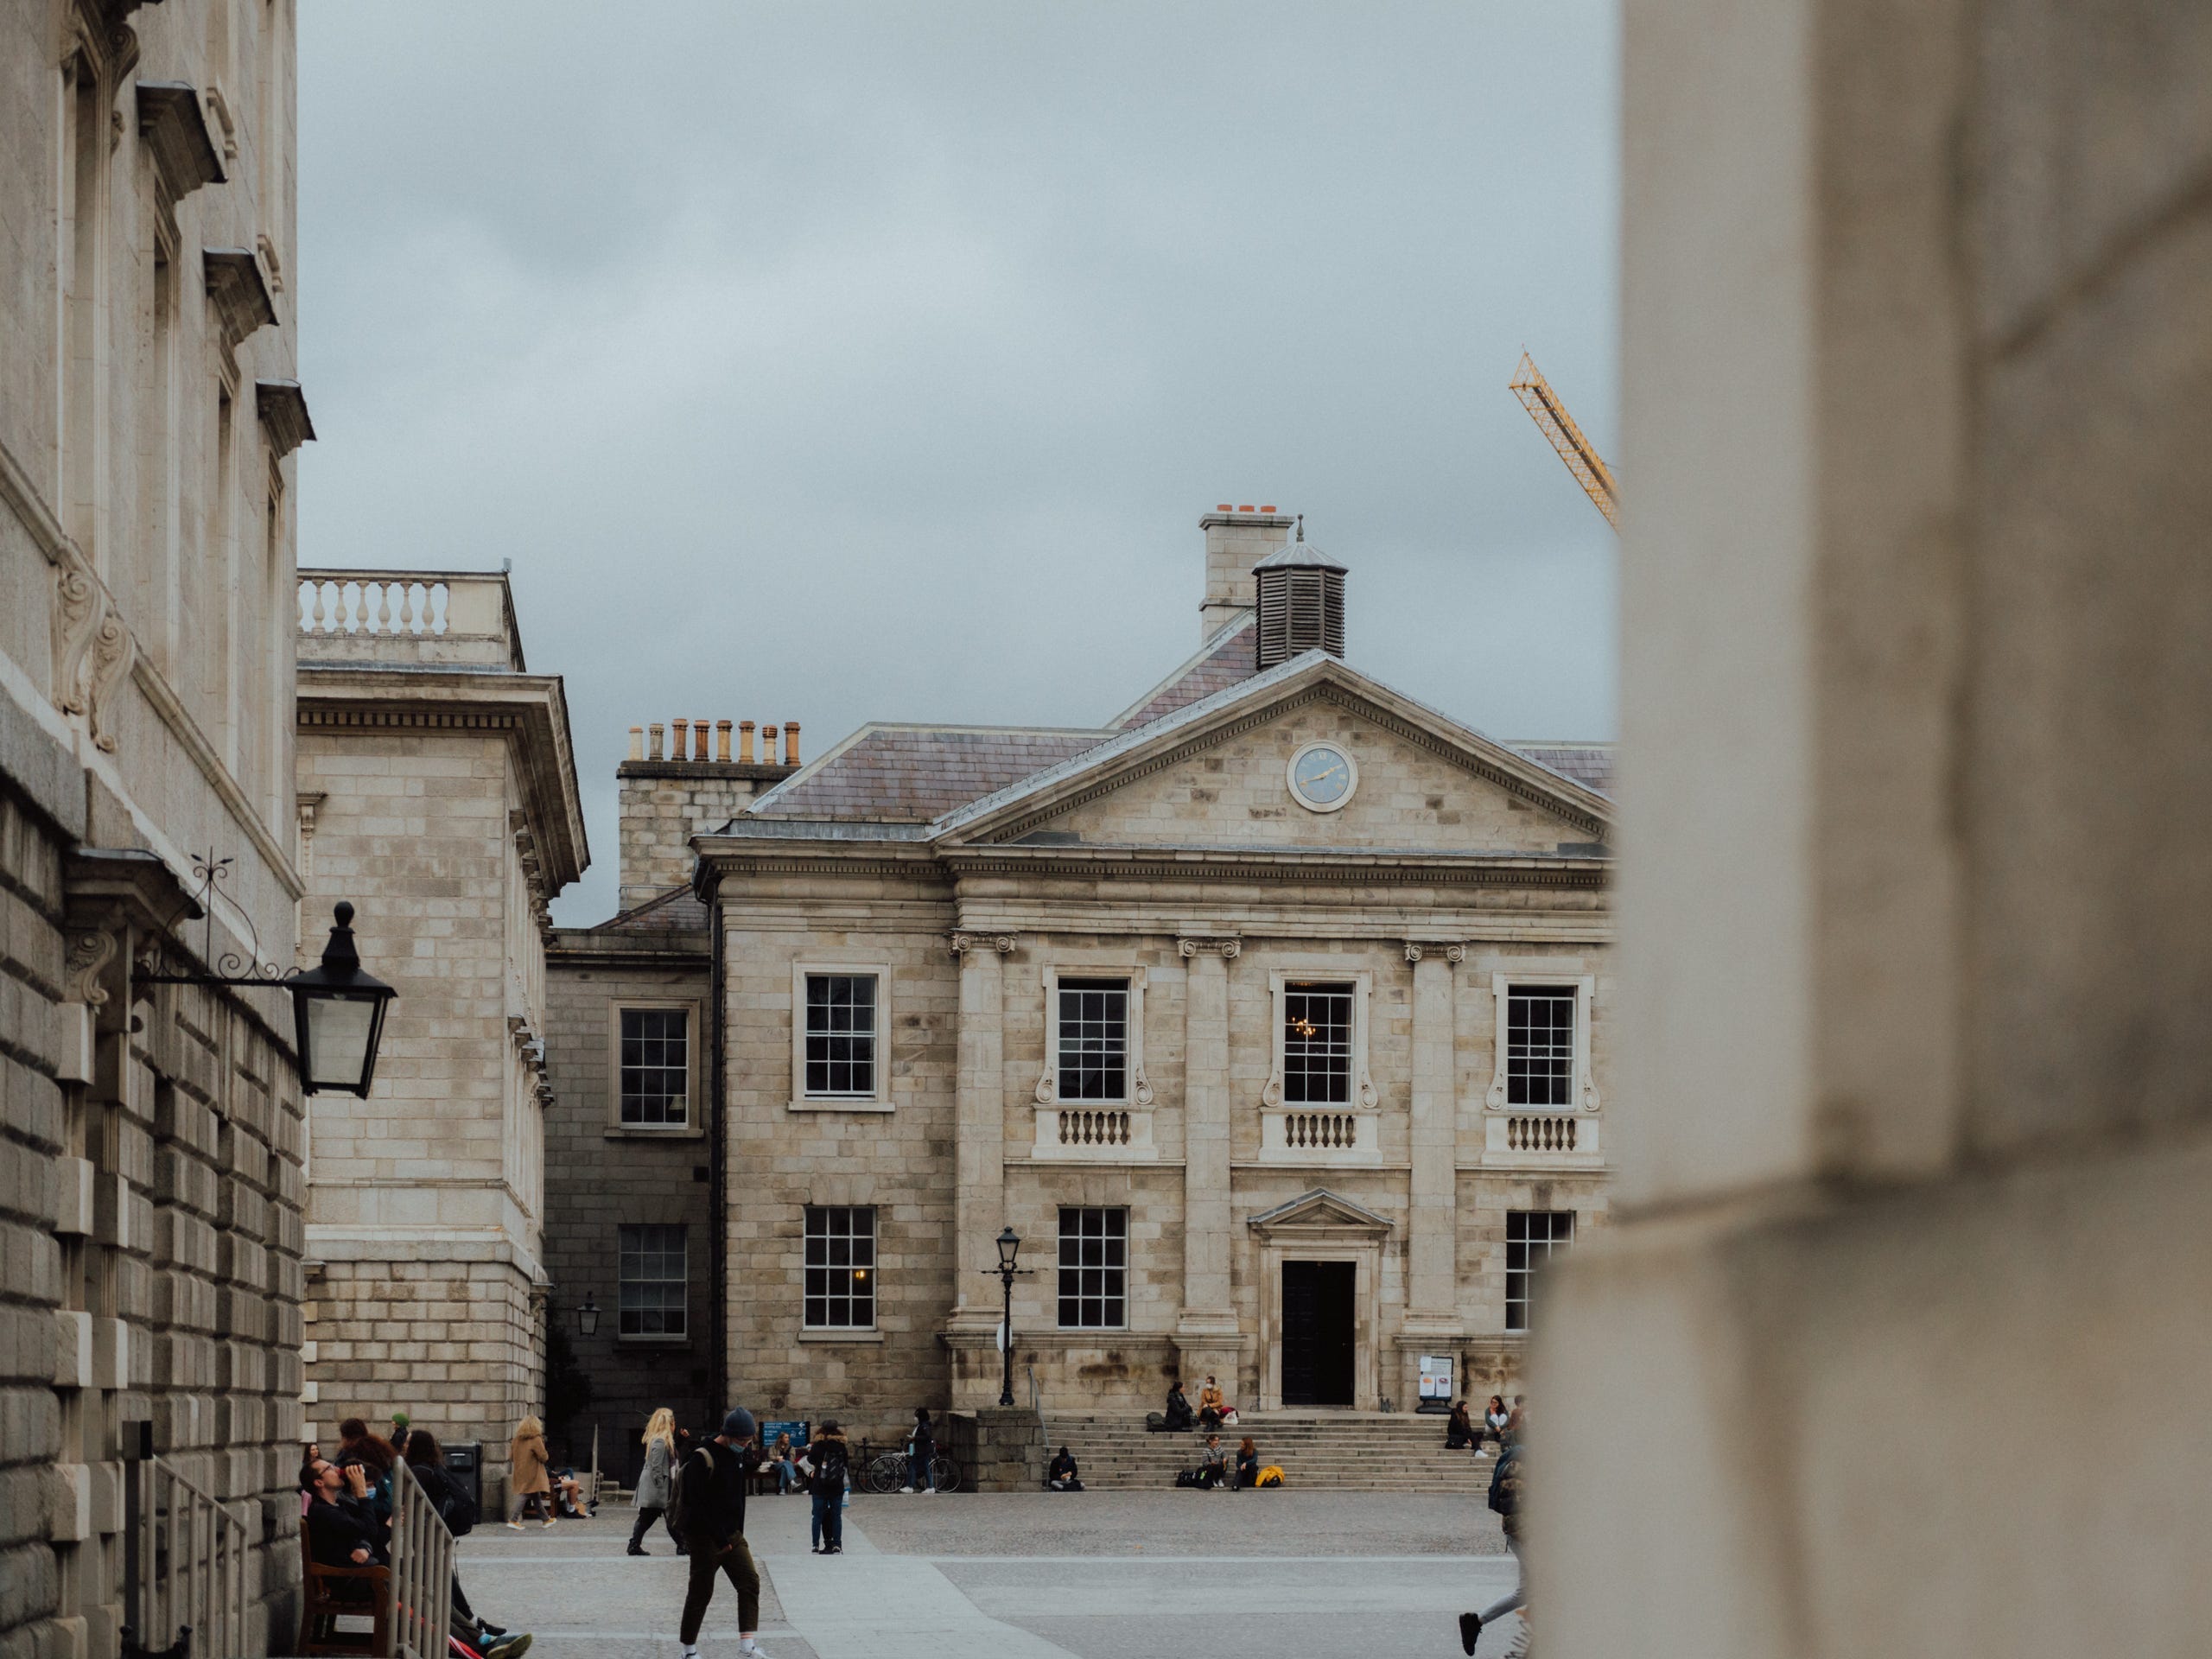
89 955
964 942
92 649
1227 950
1417 948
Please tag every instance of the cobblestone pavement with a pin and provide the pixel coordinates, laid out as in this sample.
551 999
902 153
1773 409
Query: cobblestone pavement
1177 1575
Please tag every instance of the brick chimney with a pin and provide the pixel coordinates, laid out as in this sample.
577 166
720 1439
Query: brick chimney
1236 539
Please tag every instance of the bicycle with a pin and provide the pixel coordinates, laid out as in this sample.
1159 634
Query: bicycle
887 1473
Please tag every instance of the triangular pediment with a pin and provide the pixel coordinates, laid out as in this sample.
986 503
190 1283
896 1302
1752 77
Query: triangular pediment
1214 774
1319 1210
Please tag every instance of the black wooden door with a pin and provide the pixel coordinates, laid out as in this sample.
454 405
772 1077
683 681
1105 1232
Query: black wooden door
1317 1333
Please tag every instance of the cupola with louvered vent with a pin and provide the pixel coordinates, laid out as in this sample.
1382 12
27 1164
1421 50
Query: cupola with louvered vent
1302 603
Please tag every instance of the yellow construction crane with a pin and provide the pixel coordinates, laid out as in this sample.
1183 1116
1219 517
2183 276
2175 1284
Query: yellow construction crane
1581 456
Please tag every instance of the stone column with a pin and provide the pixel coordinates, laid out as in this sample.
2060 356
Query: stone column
979 1196
1206 1335
1431 1323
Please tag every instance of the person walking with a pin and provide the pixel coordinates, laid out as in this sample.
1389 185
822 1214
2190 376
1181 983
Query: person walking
653 1481
921 1453
527 1464
710 1524
831 1459
1506 1497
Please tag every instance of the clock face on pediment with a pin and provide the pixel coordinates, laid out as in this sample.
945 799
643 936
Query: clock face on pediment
1322 777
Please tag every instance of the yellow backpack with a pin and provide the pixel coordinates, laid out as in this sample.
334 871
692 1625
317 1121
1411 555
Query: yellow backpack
1271 1475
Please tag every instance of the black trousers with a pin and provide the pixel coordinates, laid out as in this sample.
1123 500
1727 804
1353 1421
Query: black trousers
737 1562
646 1516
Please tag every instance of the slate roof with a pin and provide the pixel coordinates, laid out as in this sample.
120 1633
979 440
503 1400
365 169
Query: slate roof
1590 765
1230 655
910 774
676 911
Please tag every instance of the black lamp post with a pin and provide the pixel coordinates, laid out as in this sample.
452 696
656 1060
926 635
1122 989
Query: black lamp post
1009 1249
588 1317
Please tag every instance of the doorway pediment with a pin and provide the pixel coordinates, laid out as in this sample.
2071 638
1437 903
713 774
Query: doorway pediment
1319 1211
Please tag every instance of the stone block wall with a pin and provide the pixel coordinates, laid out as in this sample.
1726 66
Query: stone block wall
666 803
151 1198
600 1177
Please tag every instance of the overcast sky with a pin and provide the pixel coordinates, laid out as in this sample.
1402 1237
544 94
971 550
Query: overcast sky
839 363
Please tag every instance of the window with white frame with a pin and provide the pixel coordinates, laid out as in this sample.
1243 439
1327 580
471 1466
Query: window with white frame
1094 1037
840 1267
653 1083
1532 1238
650 1296
1540 1045
1317 1044
1094 1268
841 1036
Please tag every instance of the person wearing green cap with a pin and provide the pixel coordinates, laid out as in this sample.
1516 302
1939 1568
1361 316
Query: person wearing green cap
400 1424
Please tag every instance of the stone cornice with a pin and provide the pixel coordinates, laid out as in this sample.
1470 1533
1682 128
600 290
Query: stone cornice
174 127
1313 866
754 772
531 709
241 295
283 409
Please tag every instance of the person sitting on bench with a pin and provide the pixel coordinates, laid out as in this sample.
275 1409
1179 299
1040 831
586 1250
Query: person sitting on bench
342 1527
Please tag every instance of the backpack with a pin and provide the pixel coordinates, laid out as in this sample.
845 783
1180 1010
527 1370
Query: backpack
1155 1421
1270 1476
459 1511
674 1517
830 1467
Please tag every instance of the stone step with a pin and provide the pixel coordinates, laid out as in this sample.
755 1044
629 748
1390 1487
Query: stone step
1359 1451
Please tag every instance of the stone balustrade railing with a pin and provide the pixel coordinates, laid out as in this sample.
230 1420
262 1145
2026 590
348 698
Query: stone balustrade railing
1322 1135
1073 1134
407 615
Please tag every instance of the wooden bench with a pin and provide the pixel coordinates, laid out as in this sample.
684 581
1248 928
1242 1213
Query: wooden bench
328 1592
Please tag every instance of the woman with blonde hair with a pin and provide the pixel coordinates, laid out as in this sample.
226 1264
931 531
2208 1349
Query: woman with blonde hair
653 1483
527 1463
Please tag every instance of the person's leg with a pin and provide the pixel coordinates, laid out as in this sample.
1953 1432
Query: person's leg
814 1521
1519 1596
832 1521
646 1516
699 1589
745 1573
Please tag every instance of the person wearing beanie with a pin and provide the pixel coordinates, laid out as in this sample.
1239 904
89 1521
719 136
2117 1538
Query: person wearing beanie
710 1505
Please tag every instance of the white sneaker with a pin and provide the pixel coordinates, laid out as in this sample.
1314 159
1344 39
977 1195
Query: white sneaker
514 1526
929 1492
905 1490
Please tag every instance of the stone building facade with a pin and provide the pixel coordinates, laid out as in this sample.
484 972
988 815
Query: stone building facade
150 1135
634 1157
437 790
1300 1087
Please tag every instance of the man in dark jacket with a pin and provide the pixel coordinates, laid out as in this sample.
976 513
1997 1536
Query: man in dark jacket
342 1527
710 1508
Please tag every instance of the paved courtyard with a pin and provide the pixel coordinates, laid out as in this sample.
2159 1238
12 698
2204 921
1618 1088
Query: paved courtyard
1252 1575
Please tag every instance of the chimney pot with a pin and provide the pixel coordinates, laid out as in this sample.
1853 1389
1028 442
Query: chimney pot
654 750
1247 507
637 742
675 749
721 740
767 745
1267 509
1223 506
699 740
744 742
791 742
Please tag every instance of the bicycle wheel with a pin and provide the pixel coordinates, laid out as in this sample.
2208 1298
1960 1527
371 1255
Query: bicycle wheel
886 1474
944 1473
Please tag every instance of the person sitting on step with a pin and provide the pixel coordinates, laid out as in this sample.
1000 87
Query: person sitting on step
1061 1477
1178 1409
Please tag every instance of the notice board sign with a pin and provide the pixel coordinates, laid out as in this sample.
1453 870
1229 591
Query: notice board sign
1436 1393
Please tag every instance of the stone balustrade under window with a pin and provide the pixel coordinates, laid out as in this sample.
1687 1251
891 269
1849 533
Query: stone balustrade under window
1546 1139
1343 1136
1104 1133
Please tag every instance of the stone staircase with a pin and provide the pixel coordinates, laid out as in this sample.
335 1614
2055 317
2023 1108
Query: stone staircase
1353 1450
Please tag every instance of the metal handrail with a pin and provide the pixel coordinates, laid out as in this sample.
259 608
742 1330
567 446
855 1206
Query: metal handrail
185 1555
421 1571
